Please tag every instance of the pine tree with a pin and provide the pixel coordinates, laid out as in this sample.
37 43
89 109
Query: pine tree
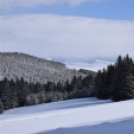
73 83
97 85
79 83
21 91
67 86
59 87
1 108
123 80
109 81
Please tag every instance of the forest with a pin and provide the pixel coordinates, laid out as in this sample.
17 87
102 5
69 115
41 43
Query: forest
20 93
33 69
116 82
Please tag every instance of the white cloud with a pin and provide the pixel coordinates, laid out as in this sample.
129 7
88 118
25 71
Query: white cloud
6 4
87 66
52 35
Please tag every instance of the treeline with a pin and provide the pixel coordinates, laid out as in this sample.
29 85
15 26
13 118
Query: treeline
117 81
21 93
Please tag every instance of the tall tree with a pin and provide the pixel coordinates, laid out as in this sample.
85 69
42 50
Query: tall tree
123 80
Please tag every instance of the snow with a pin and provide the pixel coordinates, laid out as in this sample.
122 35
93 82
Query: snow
77 116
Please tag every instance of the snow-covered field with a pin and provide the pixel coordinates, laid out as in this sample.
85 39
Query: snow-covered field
78 116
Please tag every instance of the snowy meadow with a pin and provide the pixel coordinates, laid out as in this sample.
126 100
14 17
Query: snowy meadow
77 116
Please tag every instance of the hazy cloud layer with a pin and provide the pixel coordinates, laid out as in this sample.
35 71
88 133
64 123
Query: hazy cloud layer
53 35
32 3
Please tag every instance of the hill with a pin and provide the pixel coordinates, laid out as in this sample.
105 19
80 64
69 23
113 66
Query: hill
33 69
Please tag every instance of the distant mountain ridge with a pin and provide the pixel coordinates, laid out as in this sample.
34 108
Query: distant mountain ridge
87 63
33 69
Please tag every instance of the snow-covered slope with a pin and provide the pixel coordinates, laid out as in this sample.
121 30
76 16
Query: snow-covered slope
78 116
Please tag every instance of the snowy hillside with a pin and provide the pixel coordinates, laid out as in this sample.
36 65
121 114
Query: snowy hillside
78 116
32 69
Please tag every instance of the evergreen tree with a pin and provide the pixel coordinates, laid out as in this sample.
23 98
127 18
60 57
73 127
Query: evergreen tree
59 87
73 83
123 80
109 81
21 91
1 108
97 82
67 86
79 83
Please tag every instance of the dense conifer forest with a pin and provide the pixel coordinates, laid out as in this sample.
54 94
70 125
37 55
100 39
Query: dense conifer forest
116 82
20 93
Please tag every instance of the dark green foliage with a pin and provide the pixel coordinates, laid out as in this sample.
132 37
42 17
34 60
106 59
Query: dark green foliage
123 79
19 93
22 91
1 108
98 84
117 81
58 81
37 87
73 84
103 83
87 81
59 86
67 86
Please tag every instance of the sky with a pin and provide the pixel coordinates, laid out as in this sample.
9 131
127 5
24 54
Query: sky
100 29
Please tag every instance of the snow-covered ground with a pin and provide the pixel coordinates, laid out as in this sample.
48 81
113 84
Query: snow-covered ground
78 116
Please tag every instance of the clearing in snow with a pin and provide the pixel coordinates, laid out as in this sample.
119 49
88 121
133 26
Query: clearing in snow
78 116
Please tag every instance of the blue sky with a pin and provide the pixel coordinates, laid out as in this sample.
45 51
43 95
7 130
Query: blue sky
100 29
107 9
